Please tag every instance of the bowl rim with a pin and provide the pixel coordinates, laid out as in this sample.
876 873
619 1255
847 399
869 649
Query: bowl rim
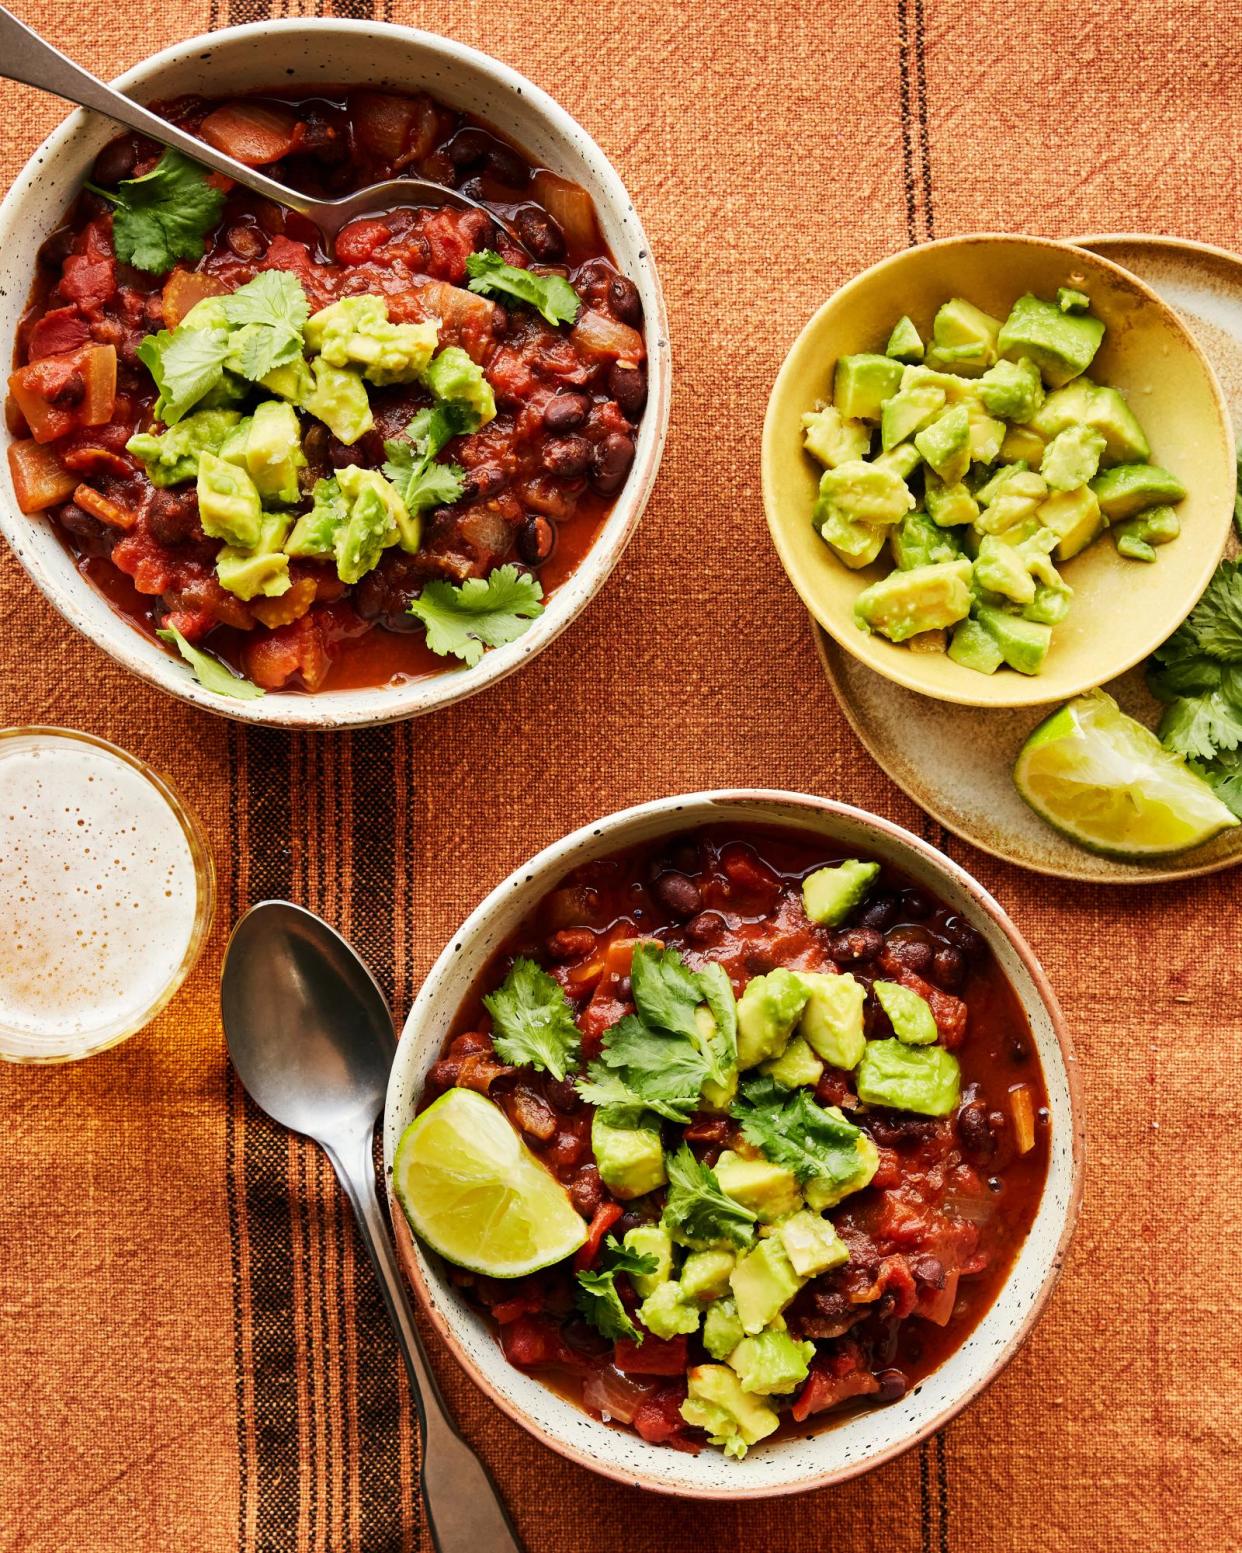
796 803
1024 691
134 651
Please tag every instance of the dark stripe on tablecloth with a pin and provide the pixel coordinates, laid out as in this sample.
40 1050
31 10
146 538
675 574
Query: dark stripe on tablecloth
912 96
907 125
924 132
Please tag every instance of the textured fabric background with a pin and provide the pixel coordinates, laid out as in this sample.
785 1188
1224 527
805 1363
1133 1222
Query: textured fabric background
194 1355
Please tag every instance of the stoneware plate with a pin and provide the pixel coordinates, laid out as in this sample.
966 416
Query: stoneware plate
1121 610
955 761
869 1437
311 54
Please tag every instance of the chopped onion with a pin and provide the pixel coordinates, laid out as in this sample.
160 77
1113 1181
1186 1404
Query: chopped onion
614 1395
965 1205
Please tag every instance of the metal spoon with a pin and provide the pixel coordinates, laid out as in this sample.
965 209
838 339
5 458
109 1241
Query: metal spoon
312 1040
24 56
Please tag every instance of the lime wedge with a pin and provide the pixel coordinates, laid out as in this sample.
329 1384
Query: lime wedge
1107 783
476 1194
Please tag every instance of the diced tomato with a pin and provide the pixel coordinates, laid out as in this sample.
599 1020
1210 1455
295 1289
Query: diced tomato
250 132
606 1005
709 1129
185 289
449 236
58 332
658 1418
275 657
888 1170
150 566
356 243
825 1389
40 480
653 1356
88 282
533 1340
899 1221
606 1215
528 1303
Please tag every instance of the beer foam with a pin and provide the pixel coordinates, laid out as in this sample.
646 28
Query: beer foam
98 895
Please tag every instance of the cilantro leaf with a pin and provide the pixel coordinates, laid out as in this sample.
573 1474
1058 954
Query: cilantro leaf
1225 775
598 1299
666 990
422 482
533 1020
210 672
721 1048
186 365
1199 726
813 1141
1214 625
551 295
1237 498
164 215
1192 676
462 620
696 1212
640 1066
266 317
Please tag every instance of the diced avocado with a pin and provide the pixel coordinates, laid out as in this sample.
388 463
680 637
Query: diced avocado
274 452
901 461
908 411
905 343
172 456
650 1240
949 506
925 1079
832 1021
987 435
1012 390
767 1011
1016 566
1129 488
811 1244
956 390
1072 458
630 1160
666 1313
722 1331
831 893
1131 544
975 648
1021 443
228 503
459 380
261 572
832 439
769 1191
999 568
917 541
356 332
1069 406
822 1192
1051 604
1024 644
314 534
863 493
1075 518
717 1403
854 544
796 1065
771 1363
1071 300
963 338
1124 439
763 1283
1062 345
377 518
862 383
903 604
705 1275
1009 499
1135 537
338 398
293 382
945 444
910 1015
715 1095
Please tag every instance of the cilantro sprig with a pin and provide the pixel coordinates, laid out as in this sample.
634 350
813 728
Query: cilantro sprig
533 1020
813 1141
697 1213
463 619
598 1299
412 466
164 215
210 672
550 295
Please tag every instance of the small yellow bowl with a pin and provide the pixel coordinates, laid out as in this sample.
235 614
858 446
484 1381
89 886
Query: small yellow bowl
1121 609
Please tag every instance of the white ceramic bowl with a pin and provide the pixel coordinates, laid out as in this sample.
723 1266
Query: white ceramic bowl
335 53
870 1437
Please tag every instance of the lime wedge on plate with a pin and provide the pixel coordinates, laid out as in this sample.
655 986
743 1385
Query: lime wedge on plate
1107 783
476 1194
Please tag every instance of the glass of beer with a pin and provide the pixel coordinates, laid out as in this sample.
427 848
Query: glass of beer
107 888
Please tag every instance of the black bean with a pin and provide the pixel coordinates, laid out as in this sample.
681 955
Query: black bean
506 166
628 386
678 895
914 953
880 913
92 536
612 460
893 1385
324 139
72 391
566 457
706 928
566 412
929 1270
536 540
975 1133
624 300
858 943
172 517
114 162
247 242
958 931
539 234
468 147
485 483
915 905
948 968
55 249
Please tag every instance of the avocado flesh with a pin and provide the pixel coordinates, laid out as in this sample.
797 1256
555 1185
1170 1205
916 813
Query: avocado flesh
1075 518
927 598
830 894
1062 345
905 343
1023 643
917 541
908 411
963 338
630 1160
862 383
974 647
1128 489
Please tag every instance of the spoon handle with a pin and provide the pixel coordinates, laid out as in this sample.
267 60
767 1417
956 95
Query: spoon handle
26 57
464 1506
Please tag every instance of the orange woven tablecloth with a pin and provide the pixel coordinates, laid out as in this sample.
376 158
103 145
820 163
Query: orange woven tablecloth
195 1357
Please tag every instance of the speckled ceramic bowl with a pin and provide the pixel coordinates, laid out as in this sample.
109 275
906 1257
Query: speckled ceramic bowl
339 53
870 1437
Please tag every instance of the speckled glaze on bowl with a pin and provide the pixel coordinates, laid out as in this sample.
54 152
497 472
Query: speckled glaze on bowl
337 53
868 1438
1121 610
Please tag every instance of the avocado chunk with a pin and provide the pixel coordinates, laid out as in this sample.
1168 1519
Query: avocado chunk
1021 443
1135 538
986 435
171 456
910 1015
1012 390
771 1363
1068 406
905 343
957 390
705 1275
769 1191
999 568
377 518
917 541
1051 604
908 411
1072 458
293 382
722 1331
650 1240
1129 488
338 398
945 444
963 338
1071 300
314 533
630 1159
767 1011
356 332
927 598
262 571
273 452
1062 345
854 544
763 1283
901 461
925 1079
811 1244
824 1192
717 1403
457 379
862 383
830 894
715 1096
832 439
832 1021
1125 442
666 1313
863 494
949 506
1010 497
975 648
1023 644
797 1065
228 503
1075 518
